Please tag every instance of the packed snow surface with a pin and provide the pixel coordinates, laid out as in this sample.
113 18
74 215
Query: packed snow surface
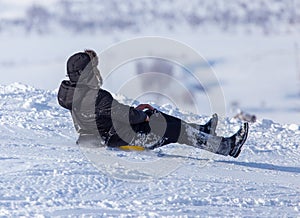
44 172
254 49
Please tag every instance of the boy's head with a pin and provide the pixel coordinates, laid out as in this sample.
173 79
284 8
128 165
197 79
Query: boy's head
83 64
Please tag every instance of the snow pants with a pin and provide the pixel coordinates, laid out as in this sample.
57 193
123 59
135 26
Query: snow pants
161 129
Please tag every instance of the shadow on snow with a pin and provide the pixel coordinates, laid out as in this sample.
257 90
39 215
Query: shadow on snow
263 166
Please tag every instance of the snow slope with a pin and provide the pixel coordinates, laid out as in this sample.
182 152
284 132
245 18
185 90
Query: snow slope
44 173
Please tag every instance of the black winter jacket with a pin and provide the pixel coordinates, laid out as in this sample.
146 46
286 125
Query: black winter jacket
95 111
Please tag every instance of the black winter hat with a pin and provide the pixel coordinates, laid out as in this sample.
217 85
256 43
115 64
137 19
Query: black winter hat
76 64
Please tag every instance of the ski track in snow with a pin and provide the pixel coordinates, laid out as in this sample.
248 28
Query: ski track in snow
43 171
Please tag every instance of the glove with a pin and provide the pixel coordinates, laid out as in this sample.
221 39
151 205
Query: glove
149 113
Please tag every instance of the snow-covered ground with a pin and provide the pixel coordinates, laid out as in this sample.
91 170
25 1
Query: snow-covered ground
254 50
43 171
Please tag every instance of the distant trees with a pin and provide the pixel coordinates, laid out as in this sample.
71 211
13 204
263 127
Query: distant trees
37 19
270 16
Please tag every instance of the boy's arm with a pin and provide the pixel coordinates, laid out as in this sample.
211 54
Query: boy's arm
125 113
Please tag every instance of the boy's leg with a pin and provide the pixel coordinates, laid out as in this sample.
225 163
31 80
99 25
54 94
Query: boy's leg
184 133
176 130
167 129
172 129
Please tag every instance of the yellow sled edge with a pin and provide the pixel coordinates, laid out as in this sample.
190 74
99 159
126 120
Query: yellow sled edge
132 148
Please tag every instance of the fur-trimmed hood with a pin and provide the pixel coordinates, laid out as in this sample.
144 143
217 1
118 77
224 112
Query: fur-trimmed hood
82 69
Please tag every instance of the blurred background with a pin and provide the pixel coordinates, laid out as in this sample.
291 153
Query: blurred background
253 46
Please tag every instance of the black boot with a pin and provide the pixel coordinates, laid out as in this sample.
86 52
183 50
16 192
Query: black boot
232 145
238 140
209 127
221 145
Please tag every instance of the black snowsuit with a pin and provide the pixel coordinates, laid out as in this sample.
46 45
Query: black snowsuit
96 112
97 115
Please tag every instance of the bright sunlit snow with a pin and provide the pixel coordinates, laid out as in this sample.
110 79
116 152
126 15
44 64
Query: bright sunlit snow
43 171
254 51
